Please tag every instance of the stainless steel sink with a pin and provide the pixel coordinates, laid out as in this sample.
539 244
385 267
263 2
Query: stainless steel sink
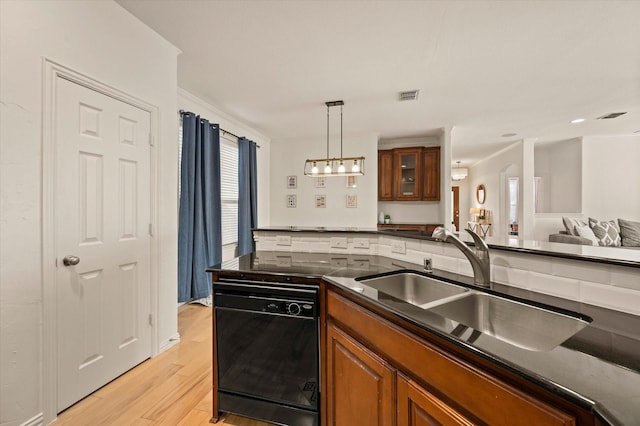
414 288
519 324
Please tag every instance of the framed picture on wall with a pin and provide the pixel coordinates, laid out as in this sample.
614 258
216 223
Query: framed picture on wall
352 201
292 182
352 182
321 182
292 201
321 201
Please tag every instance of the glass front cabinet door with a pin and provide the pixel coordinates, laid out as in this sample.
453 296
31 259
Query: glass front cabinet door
407 179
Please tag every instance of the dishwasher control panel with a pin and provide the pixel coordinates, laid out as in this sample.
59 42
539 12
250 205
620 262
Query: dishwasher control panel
288 307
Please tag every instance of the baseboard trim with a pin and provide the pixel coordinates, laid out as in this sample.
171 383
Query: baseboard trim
37 420
171 341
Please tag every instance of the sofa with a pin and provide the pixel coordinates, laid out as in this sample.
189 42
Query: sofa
613 233
565 237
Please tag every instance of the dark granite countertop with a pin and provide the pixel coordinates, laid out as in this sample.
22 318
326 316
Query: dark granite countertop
598 368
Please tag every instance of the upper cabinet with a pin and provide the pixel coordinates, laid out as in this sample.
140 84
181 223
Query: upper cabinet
385 175
409 174
431 174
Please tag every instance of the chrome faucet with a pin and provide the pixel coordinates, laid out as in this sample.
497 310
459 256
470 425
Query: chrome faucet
479 257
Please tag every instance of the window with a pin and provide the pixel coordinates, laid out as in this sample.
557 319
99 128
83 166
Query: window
229 191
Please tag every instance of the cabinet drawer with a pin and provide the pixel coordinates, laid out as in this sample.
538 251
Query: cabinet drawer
484 397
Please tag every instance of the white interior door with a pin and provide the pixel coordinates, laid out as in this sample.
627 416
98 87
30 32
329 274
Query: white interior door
102 217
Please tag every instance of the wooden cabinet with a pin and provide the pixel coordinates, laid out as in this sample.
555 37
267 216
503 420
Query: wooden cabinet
409 174
427 227
385 175
417 407
432 385
361 385
431 174
366 390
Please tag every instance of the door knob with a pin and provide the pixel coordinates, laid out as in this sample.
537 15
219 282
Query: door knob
70 260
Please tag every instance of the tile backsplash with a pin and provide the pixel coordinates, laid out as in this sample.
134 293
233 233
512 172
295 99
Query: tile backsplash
611 286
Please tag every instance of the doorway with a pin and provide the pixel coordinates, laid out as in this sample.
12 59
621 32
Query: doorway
455 207
512 205
99 205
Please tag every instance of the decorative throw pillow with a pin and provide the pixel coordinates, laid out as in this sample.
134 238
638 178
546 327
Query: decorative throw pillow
570 224
586 232
607 232
630 233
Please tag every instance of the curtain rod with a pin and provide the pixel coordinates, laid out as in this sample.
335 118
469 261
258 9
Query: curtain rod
221 129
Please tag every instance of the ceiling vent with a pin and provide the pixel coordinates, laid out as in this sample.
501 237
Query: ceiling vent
611 115
409 95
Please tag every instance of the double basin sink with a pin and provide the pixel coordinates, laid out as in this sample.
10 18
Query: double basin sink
515 322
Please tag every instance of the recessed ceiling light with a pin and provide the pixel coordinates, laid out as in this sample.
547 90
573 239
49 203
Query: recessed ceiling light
578 120
508 135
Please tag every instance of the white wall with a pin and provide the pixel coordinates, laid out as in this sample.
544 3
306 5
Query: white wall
611 180
288 158
492 172
413 211
610 176
189 102
101 40
559 167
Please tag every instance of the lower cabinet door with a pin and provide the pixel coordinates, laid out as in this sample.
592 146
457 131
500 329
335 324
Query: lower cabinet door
361 386
418 407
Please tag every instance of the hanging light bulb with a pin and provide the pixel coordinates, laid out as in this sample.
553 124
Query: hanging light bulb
355 168
314 169
327 168
341 168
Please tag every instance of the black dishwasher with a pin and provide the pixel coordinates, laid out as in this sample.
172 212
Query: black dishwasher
267 342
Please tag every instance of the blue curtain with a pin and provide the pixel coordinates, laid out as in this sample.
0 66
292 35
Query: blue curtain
199 221
247 198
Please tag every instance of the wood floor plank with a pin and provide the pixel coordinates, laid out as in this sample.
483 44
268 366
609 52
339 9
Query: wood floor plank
195 417
205 403
173 388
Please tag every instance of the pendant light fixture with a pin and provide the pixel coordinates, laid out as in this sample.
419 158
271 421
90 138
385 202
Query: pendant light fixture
342 166
459 173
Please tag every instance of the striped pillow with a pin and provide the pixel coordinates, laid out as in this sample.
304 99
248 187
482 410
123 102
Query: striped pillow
607 232
630 233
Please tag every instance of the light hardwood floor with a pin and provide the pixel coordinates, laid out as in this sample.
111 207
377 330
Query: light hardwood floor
173 388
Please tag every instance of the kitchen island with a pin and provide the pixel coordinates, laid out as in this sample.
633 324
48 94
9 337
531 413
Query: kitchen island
594 376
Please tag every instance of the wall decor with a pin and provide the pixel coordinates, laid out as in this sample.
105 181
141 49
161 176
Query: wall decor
352 181
352 201
292 201
321 201
292 182
481 193
321 182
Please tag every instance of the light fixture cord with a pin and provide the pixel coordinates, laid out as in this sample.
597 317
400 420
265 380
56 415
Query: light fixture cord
327 130
341 132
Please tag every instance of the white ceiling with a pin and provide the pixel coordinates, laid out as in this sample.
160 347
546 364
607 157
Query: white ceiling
485 67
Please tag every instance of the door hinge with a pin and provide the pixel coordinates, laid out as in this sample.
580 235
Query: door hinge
151 229
151 140
151 320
